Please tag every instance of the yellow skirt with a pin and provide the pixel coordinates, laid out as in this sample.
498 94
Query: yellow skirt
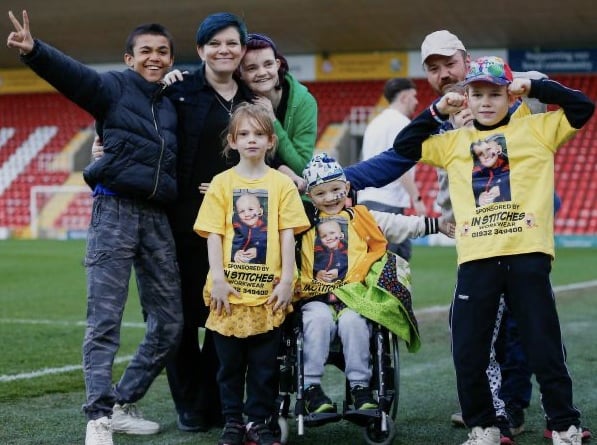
245 321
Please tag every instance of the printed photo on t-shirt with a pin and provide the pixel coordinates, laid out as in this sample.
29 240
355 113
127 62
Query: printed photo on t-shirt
491 170
249 220
330 262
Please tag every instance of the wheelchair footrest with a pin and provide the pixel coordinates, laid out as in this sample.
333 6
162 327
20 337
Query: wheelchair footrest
318 419
362 417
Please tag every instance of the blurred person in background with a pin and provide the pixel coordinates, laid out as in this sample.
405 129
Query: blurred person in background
380 133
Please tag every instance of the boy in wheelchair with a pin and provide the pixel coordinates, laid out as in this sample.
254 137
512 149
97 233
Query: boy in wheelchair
345 271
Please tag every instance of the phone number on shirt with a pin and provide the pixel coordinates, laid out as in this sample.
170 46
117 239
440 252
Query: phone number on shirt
496 232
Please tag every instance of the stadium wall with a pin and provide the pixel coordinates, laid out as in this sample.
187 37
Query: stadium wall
362 66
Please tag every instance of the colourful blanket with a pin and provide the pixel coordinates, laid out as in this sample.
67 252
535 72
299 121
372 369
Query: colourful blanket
384 297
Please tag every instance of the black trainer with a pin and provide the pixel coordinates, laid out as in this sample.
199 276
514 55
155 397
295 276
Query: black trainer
362 398
232 434
506 436
516 418
260 434
316 401
192 423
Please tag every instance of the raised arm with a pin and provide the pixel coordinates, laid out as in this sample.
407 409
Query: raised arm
378 171
76 81
577 107
534 104
409 141
397 228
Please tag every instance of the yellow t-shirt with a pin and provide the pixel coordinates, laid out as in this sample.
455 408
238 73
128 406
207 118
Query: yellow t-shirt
249 213
339 249
275 202
505 208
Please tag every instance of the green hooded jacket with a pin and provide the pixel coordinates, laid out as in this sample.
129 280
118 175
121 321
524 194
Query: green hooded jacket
298 134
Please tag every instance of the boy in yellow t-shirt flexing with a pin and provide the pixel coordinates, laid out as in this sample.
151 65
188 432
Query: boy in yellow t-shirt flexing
504 247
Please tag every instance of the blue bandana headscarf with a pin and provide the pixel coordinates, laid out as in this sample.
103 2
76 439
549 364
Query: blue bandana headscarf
322 168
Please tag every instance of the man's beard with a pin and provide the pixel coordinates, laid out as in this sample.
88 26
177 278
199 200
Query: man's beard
445 85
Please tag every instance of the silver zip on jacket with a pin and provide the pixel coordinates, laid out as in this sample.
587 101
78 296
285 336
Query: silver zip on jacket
162 148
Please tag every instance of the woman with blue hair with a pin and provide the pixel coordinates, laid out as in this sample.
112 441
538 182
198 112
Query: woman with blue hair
204 101
224 45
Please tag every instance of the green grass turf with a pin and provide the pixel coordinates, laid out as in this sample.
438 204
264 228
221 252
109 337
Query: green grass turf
44 280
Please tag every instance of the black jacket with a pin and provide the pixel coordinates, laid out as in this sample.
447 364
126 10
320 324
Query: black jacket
197 163
137 124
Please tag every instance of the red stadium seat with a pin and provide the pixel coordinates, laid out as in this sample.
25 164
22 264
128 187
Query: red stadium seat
26 113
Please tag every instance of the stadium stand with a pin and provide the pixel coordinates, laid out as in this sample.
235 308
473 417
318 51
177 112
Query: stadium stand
35 130
336 98
575 169
76 215
37 127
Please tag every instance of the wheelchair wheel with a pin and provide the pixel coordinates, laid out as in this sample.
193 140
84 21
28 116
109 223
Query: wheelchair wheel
284 430
374 436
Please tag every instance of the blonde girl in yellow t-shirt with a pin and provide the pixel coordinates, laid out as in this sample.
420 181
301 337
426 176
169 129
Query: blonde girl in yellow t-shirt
249 301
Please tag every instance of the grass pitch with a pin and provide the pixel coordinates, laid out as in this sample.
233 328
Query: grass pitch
42 314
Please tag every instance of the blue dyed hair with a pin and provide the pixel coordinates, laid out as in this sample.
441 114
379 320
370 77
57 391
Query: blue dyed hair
214 23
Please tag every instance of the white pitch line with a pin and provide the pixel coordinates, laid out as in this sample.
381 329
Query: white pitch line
69 368
62 369
49 371
427 311
125 324
575 286
433 310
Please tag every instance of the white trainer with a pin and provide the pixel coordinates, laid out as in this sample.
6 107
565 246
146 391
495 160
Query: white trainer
484 436
99 432
571 437
128 420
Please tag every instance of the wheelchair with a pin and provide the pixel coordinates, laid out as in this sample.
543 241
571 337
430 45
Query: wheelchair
378 424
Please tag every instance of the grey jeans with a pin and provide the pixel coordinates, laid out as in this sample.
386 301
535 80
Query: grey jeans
320 328
126 233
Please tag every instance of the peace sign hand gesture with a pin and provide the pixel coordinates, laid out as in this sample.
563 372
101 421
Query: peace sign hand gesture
21 37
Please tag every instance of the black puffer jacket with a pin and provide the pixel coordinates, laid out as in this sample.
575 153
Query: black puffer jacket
138 124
